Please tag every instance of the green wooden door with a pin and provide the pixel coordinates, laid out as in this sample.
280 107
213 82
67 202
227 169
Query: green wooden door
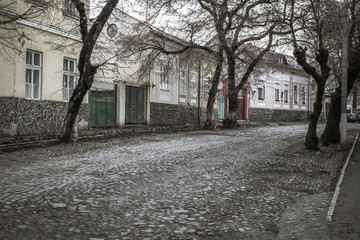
102 107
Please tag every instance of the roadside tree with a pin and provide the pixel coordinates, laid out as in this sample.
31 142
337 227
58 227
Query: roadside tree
222 29
331 132
306 20
87 70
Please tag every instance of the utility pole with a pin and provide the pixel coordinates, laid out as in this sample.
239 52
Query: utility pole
344 76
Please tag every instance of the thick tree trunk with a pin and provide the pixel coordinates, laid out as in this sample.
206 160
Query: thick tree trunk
210 118
312 141
231 120
331 132
69 134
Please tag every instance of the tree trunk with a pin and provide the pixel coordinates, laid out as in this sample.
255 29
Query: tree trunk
86 70
210 118
68 132
312 141
231 120
331 132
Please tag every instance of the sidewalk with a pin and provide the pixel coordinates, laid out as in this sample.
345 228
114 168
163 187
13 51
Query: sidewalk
18 141
346 219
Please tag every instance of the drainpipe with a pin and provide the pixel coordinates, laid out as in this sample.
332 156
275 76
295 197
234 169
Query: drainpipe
199 94
15 78
308 108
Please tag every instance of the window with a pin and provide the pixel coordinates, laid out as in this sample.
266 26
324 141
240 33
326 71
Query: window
295 94
182 81
164 81
277 92
33 75
193 84
303 95
162 75
69 78
70 9
286 93
261 90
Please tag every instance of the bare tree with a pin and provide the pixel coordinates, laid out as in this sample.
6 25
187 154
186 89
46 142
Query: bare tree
311 54
247 23
331 132
227 25
196 34
87 70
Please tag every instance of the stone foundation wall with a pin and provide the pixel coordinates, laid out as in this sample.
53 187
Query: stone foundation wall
277 115
22 116
171 114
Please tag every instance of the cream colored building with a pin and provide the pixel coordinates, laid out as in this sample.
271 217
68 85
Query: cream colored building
38 71
169 90
38 80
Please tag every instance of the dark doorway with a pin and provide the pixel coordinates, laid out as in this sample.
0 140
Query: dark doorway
135 105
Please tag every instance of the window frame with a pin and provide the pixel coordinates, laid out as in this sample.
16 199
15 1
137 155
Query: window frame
261 90
277 92
164 72
303 95
286 93
183 83
32 69
296 94
193 84
68 74
70 10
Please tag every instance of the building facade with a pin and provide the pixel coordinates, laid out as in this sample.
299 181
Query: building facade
148 88
279 91
38 71
38 80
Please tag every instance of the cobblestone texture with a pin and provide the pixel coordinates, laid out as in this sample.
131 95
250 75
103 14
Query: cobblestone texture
254 183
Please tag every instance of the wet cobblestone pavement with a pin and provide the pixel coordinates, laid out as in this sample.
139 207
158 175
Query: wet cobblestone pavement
255 183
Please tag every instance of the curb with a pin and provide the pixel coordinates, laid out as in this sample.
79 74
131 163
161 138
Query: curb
41 140
341 178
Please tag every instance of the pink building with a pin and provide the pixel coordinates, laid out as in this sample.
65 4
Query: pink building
278 90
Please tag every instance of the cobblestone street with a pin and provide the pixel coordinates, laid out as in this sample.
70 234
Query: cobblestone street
255 183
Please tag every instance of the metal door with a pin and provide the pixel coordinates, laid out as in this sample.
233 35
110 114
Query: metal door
221 106
102 107
135 105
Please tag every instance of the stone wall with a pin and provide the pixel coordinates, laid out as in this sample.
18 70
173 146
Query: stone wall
172 114
22 116
276 115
